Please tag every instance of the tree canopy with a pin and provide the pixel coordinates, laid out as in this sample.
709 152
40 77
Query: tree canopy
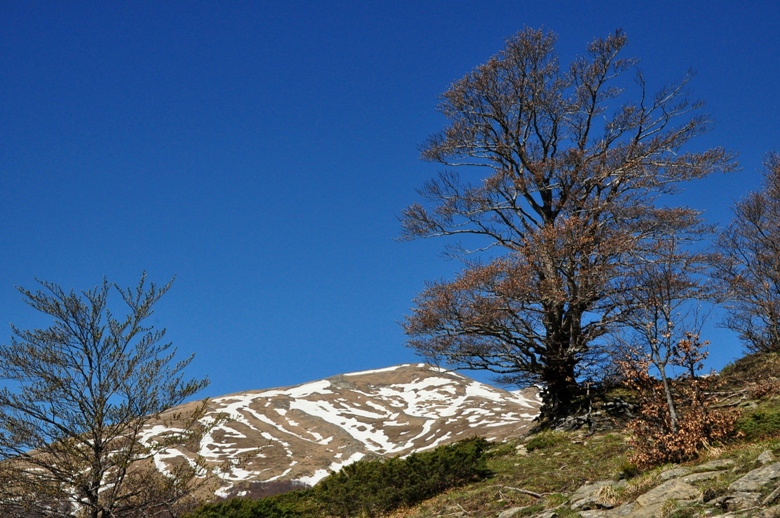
749 272
563 170
77 397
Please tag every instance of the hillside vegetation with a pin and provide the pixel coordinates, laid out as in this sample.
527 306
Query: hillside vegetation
583 472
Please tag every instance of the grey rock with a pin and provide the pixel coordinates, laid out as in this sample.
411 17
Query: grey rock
715 464
772 512
624 510
697 477
771 497
674 489
652 511
509 513
765 458
590 496
756 479
737 501
674 473
650 504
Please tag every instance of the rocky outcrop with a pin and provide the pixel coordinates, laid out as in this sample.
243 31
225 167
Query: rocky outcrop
755 493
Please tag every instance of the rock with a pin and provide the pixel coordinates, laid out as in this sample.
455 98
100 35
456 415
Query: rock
771 497
738 500
765 458
772 512
674 473
652 511
571 423
674 489
509 513
715 464
650 504
594 496
697 477
756 479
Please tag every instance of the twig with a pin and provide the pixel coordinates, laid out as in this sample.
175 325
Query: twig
462 509
525 492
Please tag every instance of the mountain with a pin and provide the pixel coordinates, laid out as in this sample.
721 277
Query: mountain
302 433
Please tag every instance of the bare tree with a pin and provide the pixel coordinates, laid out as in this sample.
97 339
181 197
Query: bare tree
565 207
663 309
78 395
750 268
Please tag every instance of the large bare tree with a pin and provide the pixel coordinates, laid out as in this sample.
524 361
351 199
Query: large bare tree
77 397
566 174
750 269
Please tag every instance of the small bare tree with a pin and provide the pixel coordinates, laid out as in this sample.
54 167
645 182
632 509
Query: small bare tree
749 272
565 207
663 307
699 423
78 395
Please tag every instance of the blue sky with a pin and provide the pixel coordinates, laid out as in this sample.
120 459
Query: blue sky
263 151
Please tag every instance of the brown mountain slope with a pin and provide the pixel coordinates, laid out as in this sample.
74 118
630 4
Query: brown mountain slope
303 432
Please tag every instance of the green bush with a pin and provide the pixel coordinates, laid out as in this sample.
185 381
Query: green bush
370 488
242 508
759 424
628 470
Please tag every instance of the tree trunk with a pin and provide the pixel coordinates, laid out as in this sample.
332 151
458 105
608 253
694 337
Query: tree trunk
669 399
560 389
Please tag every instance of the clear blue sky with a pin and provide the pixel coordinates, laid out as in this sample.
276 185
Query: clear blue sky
262 153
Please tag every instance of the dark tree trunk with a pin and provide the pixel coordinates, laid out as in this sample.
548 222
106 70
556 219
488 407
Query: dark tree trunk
559 392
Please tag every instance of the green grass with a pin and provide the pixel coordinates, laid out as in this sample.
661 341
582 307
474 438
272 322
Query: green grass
556 464
761 422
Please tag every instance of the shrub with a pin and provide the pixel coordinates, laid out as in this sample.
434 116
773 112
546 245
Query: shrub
629 470
759 424
656 437
369 488
256 490
654 442
243 508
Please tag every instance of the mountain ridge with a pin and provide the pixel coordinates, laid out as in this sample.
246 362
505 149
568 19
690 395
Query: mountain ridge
303 432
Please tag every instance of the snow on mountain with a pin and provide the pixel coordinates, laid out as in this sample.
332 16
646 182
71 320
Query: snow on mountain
304 432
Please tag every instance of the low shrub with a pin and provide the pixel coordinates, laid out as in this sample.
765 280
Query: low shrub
657 438
245 508
759 424
370 488
629 470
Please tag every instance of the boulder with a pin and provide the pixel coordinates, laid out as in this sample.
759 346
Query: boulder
756 479
593 496
674 489
765 458
509 513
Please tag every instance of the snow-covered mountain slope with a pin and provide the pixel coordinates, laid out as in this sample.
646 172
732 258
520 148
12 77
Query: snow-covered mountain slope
304 432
